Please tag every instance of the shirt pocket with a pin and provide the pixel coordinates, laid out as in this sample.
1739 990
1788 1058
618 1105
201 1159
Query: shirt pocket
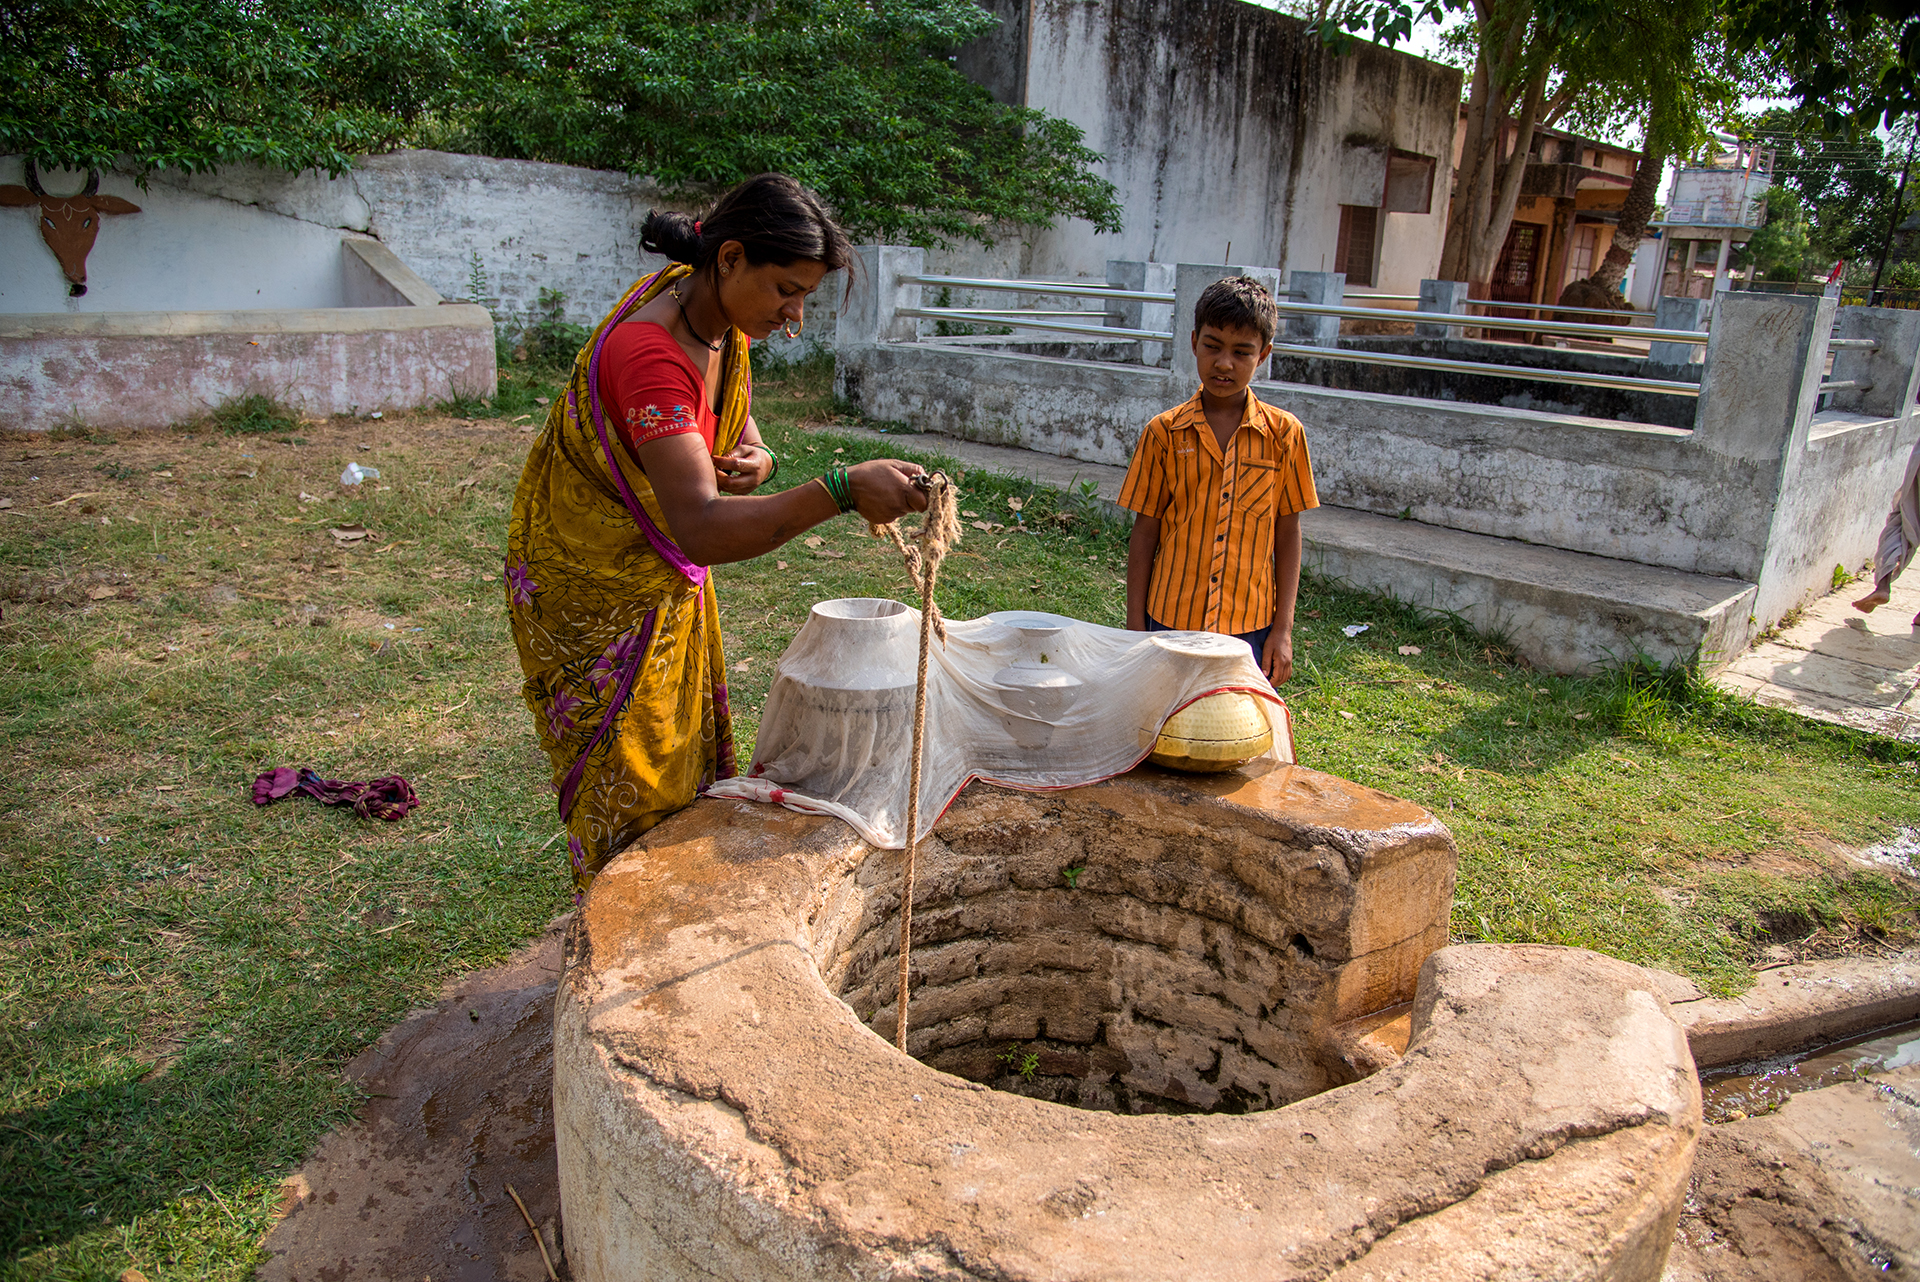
1259 487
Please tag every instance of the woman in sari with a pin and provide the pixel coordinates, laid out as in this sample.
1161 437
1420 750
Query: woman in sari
642 478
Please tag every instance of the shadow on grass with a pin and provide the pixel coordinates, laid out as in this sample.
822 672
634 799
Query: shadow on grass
122 1148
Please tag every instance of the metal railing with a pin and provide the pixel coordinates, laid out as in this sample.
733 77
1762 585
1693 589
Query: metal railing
1577 328
1633 317
1058 288
1096 324
1103 291
1619 382
1011 320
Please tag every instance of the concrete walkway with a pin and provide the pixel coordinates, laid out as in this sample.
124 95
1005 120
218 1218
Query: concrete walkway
1839 665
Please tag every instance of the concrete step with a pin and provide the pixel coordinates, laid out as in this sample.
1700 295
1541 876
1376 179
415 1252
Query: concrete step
1562 611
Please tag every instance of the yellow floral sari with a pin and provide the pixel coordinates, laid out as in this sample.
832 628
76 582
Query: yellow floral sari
618 633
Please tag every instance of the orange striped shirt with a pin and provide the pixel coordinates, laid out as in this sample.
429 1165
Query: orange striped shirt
1213 569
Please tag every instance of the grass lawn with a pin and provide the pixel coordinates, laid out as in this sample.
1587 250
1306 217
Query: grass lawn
182 975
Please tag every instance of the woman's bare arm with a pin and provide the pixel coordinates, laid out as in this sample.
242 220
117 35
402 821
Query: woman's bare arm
713 529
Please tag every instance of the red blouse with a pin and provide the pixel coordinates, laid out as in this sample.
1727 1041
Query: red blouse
649 389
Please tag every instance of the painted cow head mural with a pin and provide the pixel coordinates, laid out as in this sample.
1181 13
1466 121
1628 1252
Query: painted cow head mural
68 223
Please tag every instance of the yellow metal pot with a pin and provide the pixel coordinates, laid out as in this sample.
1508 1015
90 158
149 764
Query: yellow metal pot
1218 732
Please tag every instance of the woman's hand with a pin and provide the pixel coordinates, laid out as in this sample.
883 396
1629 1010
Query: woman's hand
883 489
743 469
712 529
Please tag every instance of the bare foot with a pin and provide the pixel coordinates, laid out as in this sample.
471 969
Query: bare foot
1873 600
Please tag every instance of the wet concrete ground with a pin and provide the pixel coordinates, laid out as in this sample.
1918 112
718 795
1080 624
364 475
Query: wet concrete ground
1826 1189
459 1108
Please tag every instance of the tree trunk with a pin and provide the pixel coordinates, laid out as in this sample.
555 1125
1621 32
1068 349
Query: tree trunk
1487 186
1491 236
1475 151
1635 214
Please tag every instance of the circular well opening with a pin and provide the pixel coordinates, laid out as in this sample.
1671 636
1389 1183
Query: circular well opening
1083 963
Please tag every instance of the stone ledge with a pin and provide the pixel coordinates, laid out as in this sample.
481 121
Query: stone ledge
1792 1006
1563 611
287 320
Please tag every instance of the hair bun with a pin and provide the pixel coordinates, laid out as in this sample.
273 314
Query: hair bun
672 235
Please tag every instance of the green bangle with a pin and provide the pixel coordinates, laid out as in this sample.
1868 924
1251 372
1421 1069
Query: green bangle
838 487
776 471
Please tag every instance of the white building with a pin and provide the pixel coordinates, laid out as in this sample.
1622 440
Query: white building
1224 123
1711 208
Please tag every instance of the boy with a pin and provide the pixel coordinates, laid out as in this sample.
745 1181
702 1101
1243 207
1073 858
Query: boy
1217 486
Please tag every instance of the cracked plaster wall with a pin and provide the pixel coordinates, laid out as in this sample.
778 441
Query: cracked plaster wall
248 237
1223 122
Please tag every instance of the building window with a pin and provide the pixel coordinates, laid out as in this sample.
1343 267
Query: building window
1513 275
1580 255
1409 183
1359 237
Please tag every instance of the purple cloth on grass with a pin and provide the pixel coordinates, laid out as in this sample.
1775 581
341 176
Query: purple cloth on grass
389 798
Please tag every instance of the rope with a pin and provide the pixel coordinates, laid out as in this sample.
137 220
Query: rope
939 530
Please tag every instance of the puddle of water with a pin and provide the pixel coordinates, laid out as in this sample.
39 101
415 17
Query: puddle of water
1757 1086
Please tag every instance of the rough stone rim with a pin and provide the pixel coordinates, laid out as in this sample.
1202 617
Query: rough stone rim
720 1113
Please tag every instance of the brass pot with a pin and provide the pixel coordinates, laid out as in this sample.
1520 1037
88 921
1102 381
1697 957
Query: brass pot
1218 732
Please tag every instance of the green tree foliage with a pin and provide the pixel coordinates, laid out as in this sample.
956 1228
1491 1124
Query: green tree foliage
1779 250
197 84
1595 64
1851 63
857 98
1845 186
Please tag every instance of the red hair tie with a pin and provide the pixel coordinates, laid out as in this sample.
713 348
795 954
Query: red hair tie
696 226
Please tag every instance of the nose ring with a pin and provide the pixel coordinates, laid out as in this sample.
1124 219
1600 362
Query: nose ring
792 330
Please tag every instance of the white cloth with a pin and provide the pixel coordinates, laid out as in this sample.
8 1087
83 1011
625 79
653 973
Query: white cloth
1021 699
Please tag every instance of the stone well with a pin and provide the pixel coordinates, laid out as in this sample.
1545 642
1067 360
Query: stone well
1217 970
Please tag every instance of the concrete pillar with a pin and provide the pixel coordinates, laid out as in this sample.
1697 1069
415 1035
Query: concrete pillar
1764 361
1146 277
1765 358
1678 313
1314 287
869 315
1448 298
1190 280
1893 370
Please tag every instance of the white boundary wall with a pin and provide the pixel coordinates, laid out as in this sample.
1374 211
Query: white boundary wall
248 238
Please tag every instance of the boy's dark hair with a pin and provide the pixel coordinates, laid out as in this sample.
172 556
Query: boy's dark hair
774 217
1238 302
